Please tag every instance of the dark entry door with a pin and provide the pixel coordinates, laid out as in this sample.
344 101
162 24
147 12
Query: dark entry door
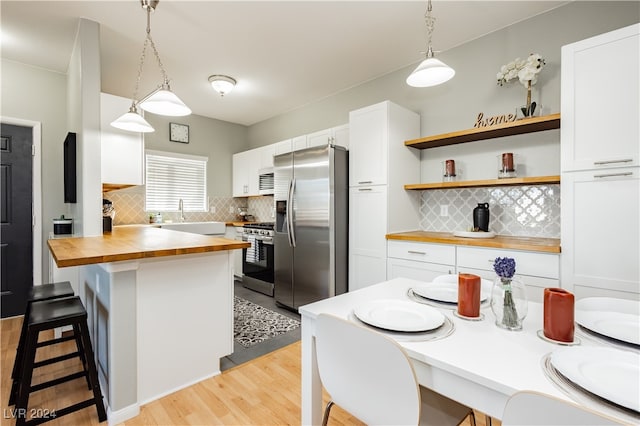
16 245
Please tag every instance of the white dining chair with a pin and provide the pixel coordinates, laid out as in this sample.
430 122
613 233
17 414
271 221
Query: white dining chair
534 408
370 376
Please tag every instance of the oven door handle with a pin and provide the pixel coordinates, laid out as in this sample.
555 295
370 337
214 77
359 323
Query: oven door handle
291 234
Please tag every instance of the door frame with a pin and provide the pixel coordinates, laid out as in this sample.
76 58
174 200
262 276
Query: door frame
36 197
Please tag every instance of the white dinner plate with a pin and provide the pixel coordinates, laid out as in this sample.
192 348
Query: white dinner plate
474 234
615 318
448 291
607 372
399 315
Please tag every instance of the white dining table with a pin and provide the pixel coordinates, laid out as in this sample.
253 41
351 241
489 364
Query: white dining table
480 364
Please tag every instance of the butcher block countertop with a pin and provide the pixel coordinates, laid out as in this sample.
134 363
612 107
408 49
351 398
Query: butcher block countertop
546 245
134 242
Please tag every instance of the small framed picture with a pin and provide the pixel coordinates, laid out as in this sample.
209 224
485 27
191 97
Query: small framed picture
178 132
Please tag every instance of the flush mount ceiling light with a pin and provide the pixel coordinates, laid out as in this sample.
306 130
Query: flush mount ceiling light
431 71
160 101
222 84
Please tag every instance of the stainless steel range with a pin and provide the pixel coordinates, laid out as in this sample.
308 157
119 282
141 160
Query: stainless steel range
258 260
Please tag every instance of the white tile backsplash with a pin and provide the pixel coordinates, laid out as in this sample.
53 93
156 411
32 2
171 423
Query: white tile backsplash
526 211
129 206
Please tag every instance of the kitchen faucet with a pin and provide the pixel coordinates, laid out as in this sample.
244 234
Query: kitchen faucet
181 209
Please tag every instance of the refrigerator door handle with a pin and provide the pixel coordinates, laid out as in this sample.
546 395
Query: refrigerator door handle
292 234
287 214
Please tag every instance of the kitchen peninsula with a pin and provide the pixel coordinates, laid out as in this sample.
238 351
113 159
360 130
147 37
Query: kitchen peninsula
160 308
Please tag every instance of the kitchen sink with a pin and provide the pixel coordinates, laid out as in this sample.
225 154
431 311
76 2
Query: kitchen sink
204 228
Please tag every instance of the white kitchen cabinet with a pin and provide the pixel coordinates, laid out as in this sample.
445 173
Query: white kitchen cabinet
335 136
419 261
600 231
537 270
600 109
379 165
246 170
600 188
367 229
235 233
122 152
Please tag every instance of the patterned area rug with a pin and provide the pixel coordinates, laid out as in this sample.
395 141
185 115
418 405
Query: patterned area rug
253 323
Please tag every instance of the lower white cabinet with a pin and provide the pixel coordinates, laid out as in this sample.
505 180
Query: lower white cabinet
425 261
235 233
419 261
536 270
367 243
600 232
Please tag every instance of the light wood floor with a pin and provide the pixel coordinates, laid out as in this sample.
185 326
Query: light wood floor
265 391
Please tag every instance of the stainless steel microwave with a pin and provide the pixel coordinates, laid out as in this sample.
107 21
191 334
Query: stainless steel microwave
265 183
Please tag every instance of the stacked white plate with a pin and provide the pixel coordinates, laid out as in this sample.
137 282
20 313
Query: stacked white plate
610 373
399 315
445 289
615 318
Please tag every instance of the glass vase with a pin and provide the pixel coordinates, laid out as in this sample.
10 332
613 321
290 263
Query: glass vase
509 302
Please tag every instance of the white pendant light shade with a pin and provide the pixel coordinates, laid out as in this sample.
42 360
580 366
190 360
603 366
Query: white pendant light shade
430 72
165 102
132 122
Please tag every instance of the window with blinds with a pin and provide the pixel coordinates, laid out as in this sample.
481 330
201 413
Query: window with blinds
171 177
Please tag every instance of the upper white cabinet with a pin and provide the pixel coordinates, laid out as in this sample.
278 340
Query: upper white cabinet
245 173
600 184
600 108
376 144
122 153
334 136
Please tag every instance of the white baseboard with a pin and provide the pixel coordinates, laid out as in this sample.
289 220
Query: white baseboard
117 417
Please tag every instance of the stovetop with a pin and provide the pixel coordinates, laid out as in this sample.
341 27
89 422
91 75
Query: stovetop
260 225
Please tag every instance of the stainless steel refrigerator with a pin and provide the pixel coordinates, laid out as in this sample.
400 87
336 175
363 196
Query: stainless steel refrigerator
311 192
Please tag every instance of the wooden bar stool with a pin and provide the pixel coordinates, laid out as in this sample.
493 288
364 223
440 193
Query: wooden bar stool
47 315
37 293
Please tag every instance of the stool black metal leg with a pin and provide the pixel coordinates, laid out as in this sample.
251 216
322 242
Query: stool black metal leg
93 372
81 353
17 367
24 386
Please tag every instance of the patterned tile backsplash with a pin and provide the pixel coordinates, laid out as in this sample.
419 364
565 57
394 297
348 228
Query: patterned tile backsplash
129 206
525 211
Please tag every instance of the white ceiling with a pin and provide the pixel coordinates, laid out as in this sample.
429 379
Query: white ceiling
284 54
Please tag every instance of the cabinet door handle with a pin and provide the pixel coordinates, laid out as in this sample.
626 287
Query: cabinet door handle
613 175
416 252
600 163
365 181
365 189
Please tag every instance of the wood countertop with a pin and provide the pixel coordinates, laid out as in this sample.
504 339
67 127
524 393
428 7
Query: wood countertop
134 242
546 245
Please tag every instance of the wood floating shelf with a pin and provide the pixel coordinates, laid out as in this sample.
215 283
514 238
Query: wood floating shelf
534 180
108 187
518 127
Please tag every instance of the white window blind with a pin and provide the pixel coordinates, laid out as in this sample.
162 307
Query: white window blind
171 177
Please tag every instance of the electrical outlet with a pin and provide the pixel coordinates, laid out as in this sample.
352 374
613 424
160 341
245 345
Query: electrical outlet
212 209
444 210
231 209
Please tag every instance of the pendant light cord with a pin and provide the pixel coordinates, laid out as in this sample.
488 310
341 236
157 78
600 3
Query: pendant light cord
430 22
148 40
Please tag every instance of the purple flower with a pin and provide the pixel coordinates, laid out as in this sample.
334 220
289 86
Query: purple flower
505 267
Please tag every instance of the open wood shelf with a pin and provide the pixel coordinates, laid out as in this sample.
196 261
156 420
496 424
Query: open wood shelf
534 180
108 187
518 127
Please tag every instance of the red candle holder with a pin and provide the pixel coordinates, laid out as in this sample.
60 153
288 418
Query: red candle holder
558 314
469 295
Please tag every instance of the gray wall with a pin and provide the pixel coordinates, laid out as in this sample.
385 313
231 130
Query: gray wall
215 139
456 104
36 94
